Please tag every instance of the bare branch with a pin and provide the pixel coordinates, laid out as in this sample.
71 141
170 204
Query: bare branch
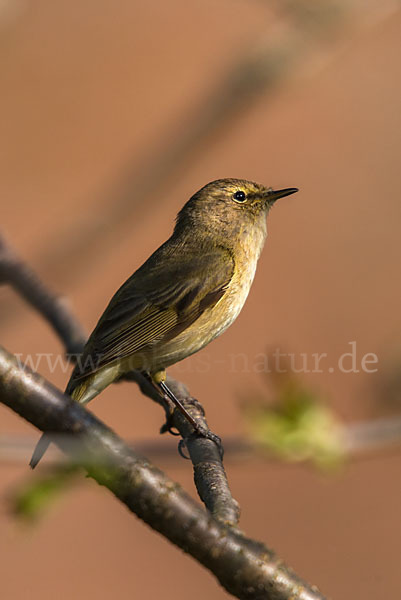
245 568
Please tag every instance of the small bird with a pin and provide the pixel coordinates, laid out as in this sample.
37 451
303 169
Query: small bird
184 296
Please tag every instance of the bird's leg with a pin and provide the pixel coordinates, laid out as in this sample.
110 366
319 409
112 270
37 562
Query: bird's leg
177 403
157 380
168 405
198 428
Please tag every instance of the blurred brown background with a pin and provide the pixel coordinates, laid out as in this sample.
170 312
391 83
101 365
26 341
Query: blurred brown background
92 95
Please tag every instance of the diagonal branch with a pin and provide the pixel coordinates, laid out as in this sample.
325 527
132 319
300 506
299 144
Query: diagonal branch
245 568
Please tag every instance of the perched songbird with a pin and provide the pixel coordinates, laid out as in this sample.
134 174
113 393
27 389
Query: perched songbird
185 295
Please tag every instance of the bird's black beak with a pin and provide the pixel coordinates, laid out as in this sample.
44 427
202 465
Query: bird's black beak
273 195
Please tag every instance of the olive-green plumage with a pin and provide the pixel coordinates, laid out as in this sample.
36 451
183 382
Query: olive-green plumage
185 295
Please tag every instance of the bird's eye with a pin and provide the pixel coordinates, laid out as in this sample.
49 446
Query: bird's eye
239 196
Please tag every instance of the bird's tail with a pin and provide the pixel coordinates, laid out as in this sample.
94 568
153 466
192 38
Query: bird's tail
81 390
46 439
40 449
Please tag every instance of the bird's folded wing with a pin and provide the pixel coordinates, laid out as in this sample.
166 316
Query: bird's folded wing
155 304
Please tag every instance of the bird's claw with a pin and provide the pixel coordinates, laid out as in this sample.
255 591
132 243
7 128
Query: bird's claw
181 446
217 440
168 426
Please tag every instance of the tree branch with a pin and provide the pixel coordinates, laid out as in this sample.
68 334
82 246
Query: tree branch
245 568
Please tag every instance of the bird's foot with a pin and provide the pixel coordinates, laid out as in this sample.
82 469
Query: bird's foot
199 431
202 431
208 435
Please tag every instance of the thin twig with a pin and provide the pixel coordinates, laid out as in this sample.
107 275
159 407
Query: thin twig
368 436
245 568
360 440
209 474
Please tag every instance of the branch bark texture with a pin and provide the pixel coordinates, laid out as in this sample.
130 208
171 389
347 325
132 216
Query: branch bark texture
245 568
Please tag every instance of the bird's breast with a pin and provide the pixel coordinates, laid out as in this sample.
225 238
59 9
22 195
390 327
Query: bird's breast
215 320
230 305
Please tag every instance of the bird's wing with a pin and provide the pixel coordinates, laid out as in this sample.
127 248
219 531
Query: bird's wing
157 303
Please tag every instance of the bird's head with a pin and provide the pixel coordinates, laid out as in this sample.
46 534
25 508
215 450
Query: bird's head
227 206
